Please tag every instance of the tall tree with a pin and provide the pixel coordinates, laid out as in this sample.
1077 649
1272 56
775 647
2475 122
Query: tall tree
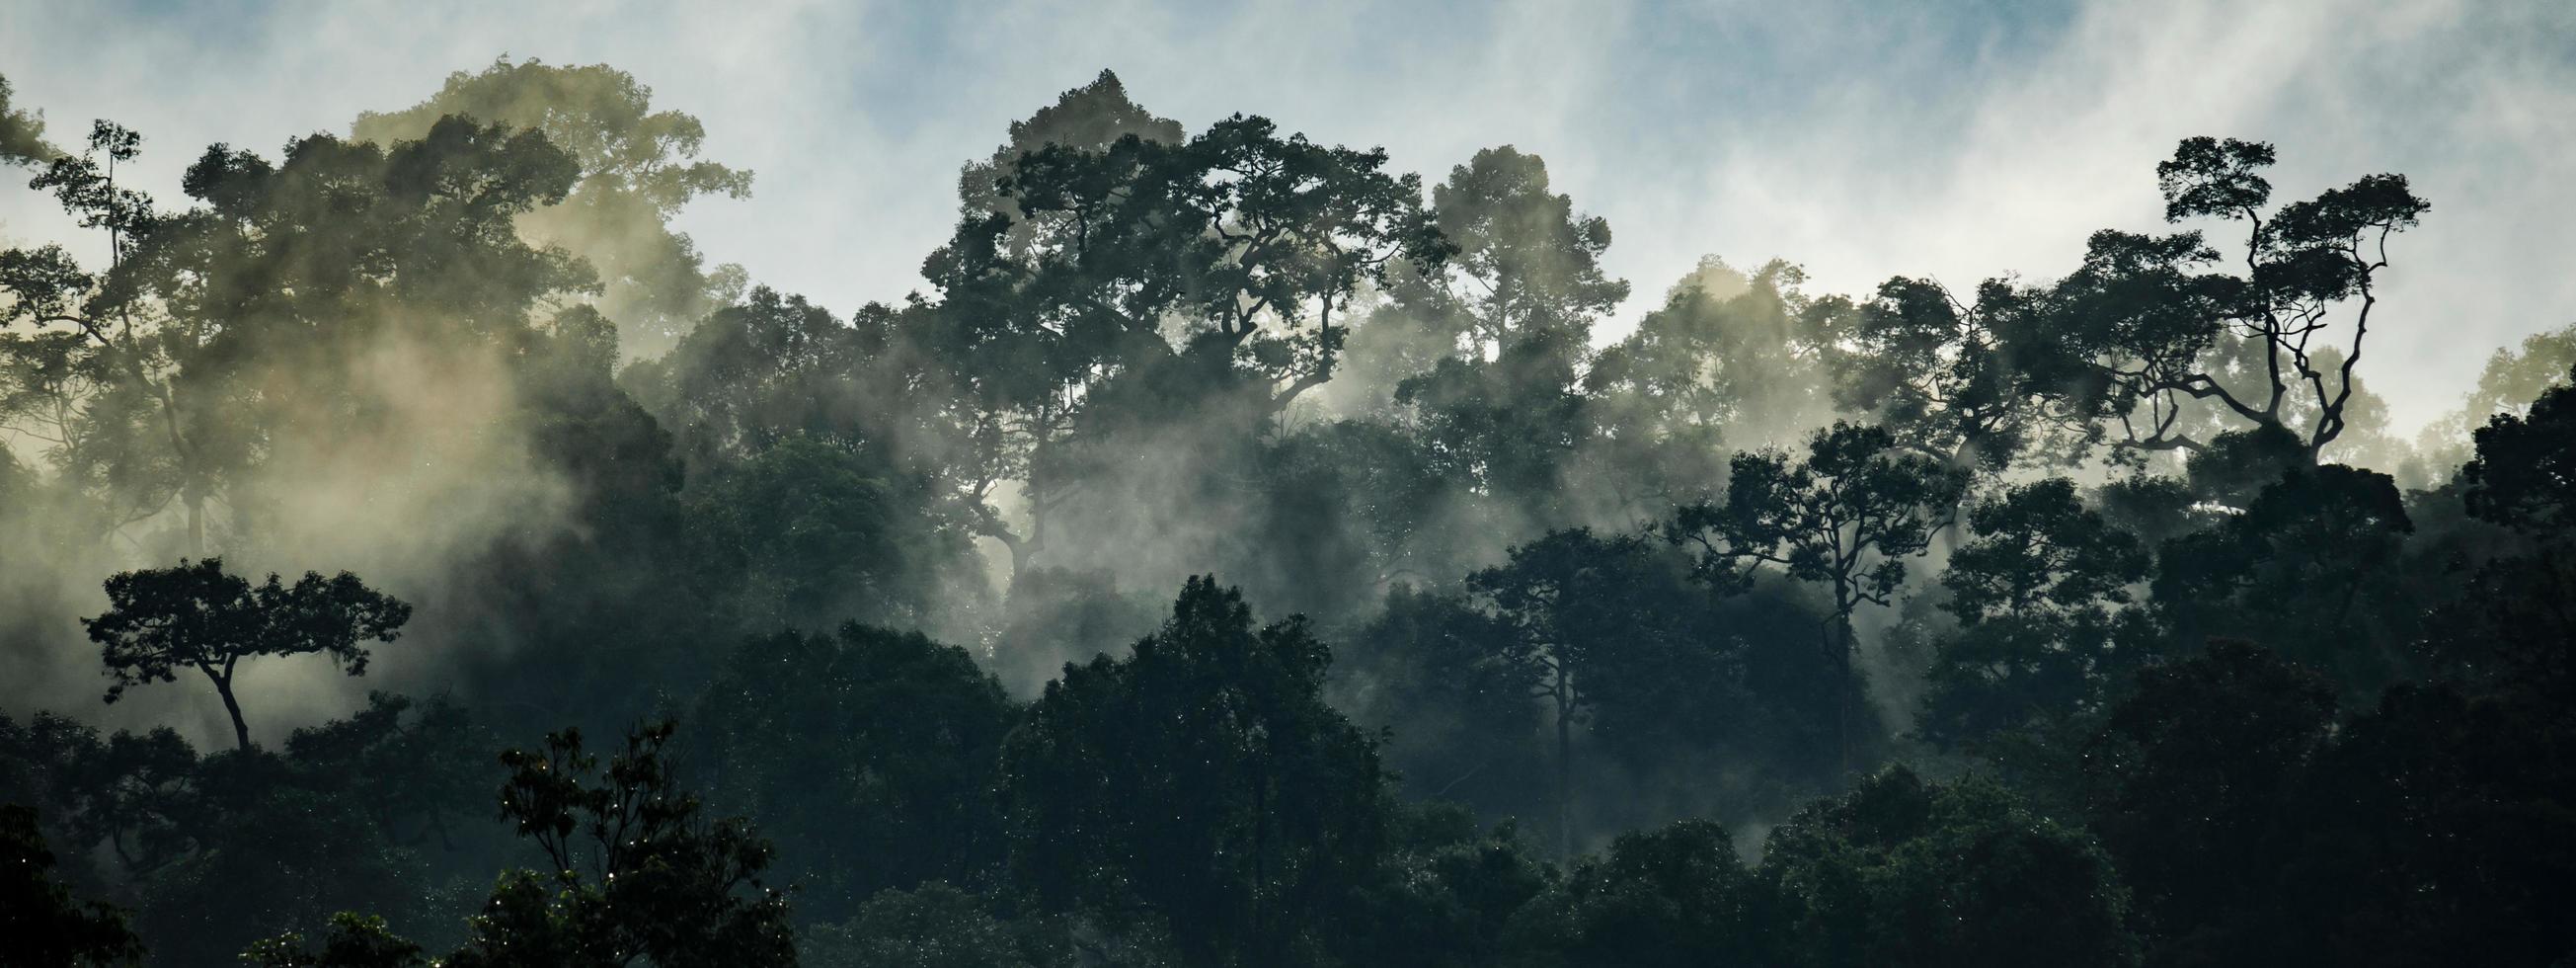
194 616
1582 618
2159 326
216 335
639 166
1504 409
1846 515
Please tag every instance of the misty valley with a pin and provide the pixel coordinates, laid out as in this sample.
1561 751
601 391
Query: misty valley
1240 551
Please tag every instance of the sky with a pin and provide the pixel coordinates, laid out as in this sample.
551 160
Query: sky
1956 141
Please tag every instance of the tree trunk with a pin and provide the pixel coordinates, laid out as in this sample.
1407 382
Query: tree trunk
1842 695
1564 769
224 688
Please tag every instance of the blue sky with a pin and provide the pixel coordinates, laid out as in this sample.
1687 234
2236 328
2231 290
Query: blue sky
1955 140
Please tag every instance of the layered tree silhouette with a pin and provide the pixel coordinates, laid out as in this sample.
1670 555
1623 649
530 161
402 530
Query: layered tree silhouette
194 616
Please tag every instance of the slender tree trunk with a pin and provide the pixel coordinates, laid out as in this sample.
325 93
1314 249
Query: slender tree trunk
224 688
1839 646
1564 767
1842 695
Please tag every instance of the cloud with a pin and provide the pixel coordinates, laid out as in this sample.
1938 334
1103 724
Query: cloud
1957 141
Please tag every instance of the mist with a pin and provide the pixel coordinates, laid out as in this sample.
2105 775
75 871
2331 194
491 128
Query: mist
1412 515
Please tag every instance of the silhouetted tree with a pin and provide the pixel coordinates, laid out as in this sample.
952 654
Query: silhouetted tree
911 731
636 873
1581 617
2042 599
1202 780
1847 516
194 616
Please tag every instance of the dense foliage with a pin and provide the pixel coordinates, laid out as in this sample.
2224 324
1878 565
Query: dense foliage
2046 622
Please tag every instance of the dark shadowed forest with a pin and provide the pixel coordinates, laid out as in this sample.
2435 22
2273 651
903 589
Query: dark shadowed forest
1240 552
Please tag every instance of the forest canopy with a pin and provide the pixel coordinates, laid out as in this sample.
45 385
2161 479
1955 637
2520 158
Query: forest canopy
1240 551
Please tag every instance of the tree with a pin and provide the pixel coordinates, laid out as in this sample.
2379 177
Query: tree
2524 474
41 923
1446 893
22 132
2042 599
1846 516
1955 380
1582 618
812 531
1150 297
1729 358
1664 898
219 335
355 941
1903 872
2512 379
2184 777
2161 331
2512 623
638 167
2312 568
1201 780
194 616
636 873
871 756
1537 260
1503 409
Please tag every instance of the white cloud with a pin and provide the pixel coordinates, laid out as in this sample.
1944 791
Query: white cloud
1863 143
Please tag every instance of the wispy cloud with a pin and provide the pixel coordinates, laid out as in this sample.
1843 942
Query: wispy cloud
1958 141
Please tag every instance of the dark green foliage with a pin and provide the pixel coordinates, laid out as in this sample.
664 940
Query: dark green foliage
874 752
1201 779
2312 567
815 531
2434 831
1445 895
635 870
2046 631
466 350
1432 661
2186 776
1903 872
41 923
1673 897
355 941
936 926
274 854
2524 476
